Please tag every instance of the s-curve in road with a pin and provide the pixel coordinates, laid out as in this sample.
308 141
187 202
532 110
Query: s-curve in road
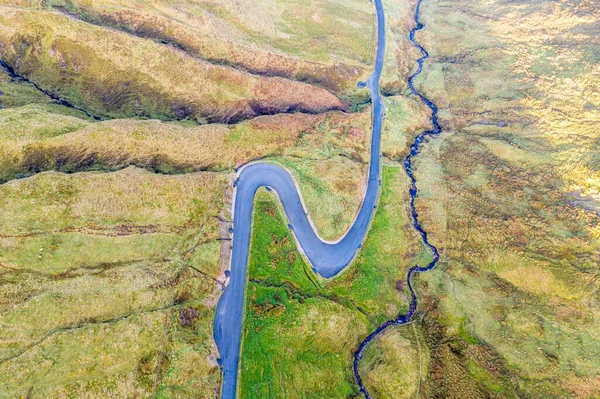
326 258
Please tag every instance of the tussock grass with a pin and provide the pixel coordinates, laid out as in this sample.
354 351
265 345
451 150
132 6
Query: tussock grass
55 201
105 349
269 27
112 74
308 145
166 147
327 43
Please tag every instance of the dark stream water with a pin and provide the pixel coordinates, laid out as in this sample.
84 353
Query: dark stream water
408 166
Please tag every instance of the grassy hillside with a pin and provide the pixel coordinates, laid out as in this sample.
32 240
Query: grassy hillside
326 43
40 141
110 277
112 74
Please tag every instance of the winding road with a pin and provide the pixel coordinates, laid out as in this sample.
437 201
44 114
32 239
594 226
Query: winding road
326 258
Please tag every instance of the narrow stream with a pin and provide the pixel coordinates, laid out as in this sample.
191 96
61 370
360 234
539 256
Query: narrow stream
414 151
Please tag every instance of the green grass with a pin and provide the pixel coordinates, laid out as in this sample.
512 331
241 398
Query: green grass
18 94
306 355
98 296
35 138
395 364
37 122
301 331
107 279
512 310
66 203
107 284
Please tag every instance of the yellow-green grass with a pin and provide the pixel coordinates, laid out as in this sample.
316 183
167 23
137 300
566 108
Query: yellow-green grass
146 354
513 310
59 202
335 143
395 364
35 140
113 74
332 190
143 144
16 93
531 264
400 55
330 162
76 362
35 122
102 250
325 31
300 331
326 42
107 284
307 144
405 118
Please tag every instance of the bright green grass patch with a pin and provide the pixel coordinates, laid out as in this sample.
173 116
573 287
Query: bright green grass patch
389 250
301 331
307 355
480 374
